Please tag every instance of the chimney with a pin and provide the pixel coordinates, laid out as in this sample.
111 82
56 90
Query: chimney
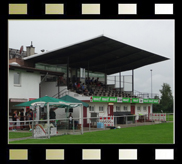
30 50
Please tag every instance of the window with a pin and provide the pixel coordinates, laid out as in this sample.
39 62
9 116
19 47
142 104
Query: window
50 79
82 72
17 79
145 108
61 81
91 108
138 108
118 108
125 108
101 109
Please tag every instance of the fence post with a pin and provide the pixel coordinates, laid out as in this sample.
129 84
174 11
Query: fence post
160 117
82 119
163 117
67 125
103 122
73 127
151 117
126 120
32 129
89 124
113 120
144 119
116 121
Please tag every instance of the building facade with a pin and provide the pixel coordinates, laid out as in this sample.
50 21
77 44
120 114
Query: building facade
53 73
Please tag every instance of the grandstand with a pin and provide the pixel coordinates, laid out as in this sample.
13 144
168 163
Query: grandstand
104 91
98 56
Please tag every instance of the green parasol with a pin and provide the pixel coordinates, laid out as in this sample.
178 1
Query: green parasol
73 100
44 100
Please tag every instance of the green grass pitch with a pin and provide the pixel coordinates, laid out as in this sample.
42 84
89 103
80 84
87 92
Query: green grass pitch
158 133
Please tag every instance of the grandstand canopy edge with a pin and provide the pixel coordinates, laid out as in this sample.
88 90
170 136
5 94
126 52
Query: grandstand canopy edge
100 54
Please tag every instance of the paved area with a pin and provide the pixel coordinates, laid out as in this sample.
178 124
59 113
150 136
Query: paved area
16 139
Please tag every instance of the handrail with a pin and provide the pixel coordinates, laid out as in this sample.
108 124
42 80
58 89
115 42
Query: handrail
135 93
63 93
151 95
59 92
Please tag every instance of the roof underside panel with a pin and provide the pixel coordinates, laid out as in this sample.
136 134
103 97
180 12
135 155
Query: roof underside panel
101 54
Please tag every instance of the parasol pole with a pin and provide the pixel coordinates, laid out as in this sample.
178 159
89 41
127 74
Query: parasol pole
82 118
33 121
67 119
48 120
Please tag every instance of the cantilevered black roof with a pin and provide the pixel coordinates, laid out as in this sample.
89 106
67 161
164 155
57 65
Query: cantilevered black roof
103 55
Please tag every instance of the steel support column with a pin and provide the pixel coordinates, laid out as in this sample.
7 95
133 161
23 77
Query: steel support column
115 80
39 91
76 73
120 81
105 75
67 72
88 70
58 86
133 81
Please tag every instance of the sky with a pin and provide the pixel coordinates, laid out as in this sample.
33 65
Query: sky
156 36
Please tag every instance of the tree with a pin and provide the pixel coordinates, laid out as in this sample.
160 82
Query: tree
157 107
166 100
